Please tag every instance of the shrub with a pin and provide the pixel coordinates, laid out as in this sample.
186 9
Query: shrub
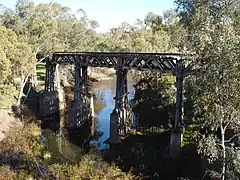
22 140
90 167
7 93
6 173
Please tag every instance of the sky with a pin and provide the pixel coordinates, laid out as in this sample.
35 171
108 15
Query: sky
110 13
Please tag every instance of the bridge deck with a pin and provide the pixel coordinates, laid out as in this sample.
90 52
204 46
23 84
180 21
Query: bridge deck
159 62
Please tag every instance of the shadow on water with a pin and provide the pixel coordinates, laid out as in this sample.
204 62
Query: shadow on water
65 146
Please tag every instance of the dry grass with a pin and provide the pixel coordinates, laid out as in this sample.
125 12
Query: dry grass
6 173
91 167
6 122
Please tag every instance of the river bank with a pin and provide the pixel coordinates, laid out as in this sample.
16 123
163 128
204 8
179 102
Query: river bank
101 73
7 121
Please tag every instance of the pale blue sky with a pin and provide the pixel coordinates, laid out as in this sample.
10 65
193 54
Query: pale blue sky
110 13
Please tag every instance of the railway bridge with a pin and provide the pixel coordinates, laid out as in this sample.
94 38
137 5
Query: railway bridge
172 63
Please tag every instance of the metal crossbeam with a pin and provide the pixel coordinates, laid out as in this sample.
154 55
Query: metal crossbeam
159 62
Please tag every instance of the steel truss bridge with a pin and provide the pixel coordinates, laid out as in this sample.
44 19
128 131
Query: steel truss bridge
155 62
173 63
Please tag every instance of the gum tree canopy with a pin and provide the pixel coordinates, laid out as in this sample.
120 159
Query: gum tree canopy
213 35
16 60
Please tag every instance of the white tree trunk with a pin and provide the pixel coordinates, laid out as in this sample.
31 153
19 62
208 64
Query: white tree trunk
23 82
34 79
223 152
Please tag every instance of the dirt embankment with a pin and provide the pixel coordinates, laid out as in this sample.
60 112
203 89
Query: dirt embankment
101 73
7 121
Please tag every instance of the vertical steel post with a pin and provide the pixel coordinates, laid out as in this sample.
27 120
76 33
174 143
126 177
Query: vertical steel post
80 113
121 99
77 83
176 135
50 76
80 89
179 79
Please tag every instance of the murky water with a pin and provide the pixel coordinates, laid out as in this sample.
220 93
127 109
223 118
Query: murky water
62 150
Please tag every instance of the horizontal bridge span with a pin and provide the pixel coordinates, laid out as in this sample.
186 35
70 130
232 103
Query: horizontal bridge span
159 62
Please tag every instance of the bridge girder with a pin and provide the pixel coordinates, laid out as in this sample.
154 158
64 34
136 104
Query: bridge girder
155 62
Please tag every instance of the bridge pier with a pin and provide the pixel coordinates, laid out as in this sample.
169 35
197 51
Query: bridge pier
51 99
119 115
79 111
176 135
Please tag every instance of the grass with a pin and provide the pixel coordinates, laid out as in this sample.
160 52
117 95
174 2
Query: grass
41 71
146 131
91 167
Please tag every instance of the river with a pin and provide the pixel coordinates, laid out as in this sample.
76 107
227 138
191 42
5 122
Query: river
105 91
62 150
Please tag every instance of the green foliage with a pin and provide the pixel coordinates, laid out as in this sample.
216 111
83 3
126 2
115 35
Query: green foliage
4 66
7 174
154 94
214 38
218 46
189 134
208 148
21 150
7 93
16 60
15 54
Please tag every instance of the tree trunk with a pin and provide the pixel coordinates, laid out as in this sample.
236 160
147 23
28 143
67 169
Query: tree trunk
34 78
23 82
224 153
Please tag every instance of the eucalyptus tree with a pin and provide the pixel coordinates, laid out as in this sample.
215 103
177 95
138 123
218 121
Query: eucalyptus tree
213 38
50 27
34 25
17 60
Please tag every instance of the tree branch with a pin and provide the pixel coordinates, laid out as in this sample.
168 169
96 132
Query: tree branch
38 167
40 60
225 127
232 137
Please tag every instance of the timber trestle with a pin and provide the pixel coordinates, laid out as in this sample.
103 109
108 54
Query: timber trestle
172 63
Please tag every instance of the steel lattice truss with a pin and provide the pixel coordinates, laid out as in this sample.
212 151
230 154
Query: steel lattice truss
159 62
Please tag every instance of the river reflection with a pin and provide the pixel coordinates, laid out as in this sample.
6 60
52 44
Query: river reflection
105 91
59 146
